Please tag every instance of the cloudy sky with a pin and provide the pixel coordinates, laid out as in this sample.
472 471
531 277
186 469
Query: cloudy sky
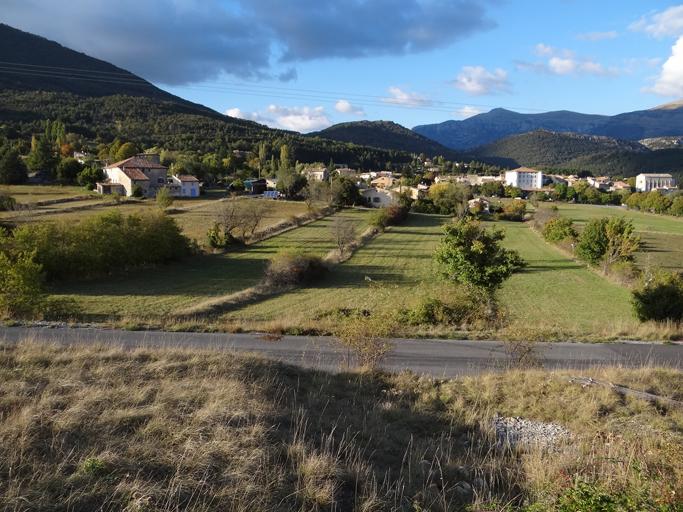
307 64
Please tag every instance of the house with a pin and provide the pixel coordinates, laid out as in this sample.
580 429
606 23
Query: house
524 177
136 171
316 174
188 185
348 173
479 203
271 183
383 182
377 197
649 182
256 187
152 157
602 183
81 156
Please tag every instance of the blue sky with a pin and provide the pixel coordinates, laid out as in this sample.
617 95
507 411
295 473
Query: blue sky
307 64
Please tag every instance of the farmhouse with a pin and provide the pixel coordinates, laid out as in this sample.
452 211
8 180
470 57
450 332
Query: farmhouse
479 203
136 171
317 174
188 185
383 182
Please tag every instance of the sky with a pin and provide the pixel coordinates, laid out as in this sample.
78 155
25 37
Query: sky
304 65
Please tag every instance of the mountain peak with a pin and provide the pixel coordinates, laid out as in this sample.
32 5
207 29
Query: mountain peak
672 105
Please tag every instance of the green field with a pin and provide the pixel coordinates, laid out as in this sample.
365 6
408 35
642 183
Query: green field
400 259
556 291
662 235
161 290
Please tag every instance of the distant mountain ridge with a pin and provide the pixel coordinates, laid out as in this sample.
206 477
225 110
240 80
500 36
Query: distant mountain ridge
385 135
665 120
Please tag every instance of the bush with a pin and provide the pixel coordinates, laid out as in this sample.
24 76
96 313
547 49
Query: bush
593 241
21 284
464 305
378 219
137 192
292 268
7 202
164 198
660 298
558 229
396 214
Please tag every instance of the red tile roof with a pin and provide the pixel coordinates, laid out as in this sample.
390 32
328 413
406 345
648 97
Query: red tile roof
135 174
185 177
137 163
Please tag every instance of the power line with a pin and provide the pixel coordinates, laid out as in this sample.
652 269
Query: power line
241 88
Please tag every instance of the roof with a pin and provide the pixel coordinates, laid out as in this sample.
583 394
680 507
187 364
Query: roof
186 177
136 162
655 175
135 174
524 169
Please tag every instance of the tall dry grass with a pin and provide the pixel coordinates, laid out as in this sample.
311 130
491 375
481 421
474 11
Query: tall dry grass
100 428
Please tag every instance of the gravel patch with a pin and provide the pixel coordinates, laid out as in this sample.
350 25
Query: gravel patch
522 433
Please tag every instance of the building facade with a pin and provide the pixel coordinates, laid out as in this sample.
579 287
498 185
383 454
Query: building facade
524 178
650 182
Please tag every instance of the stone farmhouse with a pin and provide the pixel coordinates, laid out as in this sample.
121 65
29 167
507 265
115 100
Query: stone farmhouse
150 176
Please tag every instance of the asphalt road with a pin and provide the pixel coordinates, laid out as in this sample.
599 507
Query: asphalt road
436 358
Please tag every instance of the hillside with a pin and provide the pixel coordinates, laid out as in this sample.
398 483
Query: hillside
33 63
657 143
666 120
628 163
546 148
386 135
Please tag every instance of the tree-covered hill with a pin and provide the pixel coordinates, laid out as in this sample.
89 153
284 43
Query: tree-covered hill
167 125
387 135
546 148
628 163
33 63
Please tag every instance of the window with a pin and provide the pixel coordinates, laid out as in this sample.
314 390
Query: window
161 180
375 199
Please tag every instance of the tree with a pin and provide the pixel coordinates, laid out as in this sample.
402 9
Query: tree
127 150
558 229
659 298
254 211
21 284
621 242
164 198
43 157
89 177
137 191
284 157
593 241
343 231
290 183
345 192
472 255
68 170
13 171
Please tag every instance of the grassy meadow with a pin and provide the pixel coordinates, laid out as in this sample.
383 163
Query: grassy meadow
662 235
158 291
101 428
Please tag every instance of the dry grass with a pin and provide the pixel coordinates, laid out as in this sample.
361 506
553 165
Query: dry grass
100 428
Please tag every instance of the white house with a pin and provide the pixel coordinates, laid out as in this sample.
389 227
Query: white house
189 185
479 202
649 182
524 177
136 171
377 197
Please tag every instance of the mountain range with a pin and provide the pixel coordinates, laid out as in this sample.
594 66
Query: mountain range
665 120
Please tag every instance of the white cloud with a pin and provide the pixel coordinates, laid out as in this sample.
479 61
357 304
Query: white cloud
670 80
344 107
668 23
565 62
541 50
596 36
406 99
251 116
466 112
298 119
477 81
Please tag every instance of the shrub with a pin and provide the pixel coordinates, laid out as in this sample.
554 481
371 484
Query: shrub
136 191
365 336
21 284
216 238
164 198
659 298
378 219
593 241
557 229
464 305
292 268
7 202
396 214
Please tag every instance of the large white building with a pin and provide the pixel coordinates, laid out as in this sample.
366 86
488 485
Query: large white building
649 182
524 178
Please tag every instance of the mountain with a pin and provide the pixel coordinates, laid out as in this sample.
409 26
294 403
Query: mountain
546 148
386 135
33 63
666 120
